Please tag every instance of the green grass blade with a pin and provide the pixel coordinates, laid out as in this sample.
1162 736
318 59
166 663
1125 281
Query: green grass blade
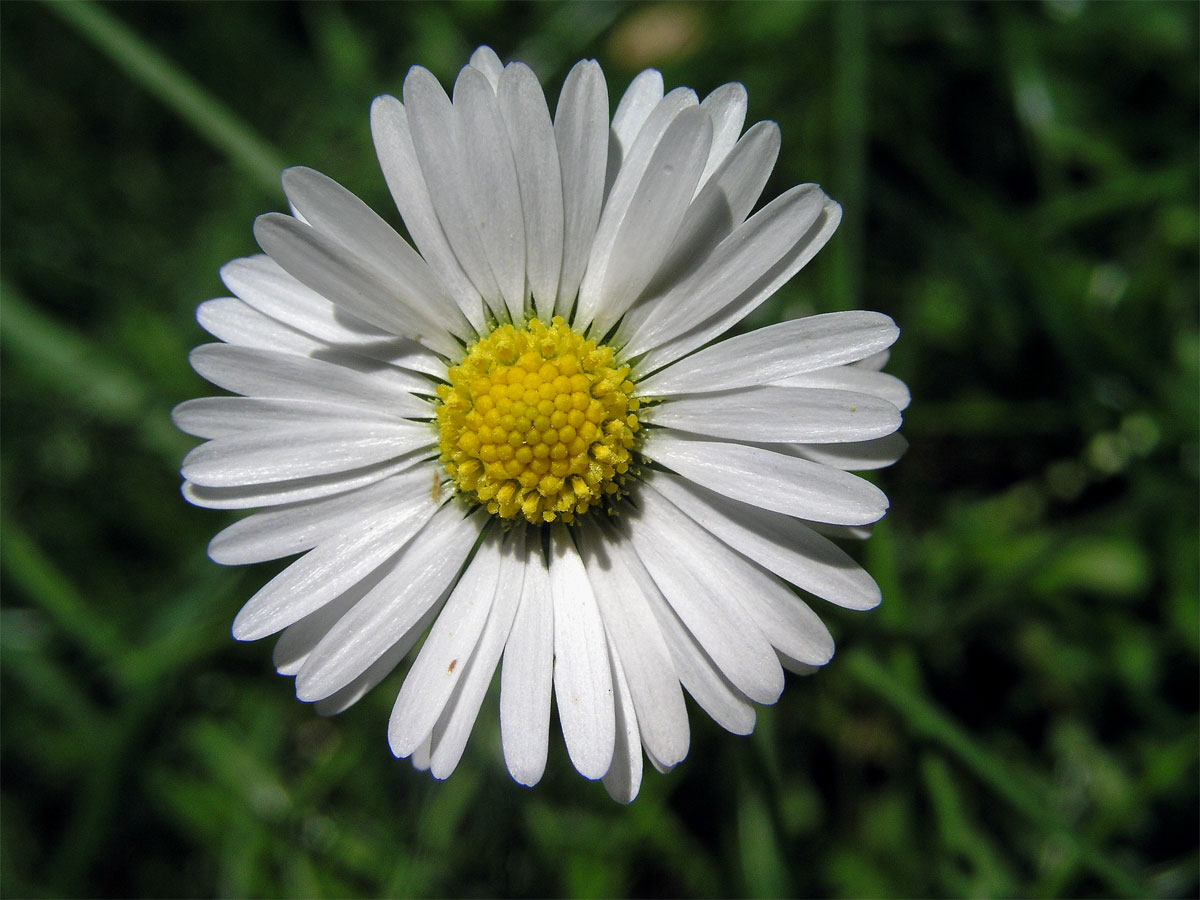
175 88
92 379
850 128
47 586
1021 790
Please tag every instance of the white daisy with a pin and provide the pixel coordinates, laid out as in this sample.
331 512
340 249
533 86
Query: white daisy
518 440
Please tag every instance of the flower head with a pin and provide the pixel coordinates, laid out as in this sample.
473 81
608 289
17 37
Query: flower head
519 440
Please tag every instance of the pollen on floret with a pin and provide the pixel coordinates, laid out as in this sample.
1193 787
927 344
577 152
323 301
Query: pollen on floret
538 422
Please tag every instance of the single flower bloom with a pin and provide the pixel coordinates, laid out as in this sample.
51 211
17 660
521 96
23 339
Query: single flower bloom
519 440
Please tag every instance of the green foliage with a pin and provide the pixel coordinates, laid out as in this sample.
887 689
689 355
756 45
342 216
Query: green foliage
1018 719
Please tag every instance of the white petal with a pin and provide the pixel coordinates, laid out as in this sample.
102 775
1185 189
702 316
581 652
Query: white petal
624 189
639 100
876 361
405 180
432 121
342 217
300 489
727 106
340 701
421 759
700 676
443 658
624 776
234 322
855 378
636 638
214 417
539 174
300 638
265 286
777 352
773 414
728 706
427 567
355 284
859 456
731 308
333 568
486 61
721 205
843 532
738 647
658 764
454 728
527 676
283 453
582 678
493 195
786 620
296 527
263 373
795 666
743 263
779 543
648 229
581 134
795 487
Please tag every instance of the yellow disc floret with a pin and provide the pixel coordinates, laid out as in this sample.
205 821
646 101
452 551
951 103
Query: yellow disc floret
538 422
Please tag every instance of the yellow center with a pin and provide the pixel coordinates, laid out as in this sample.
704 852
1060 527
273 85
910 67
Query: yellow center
538 422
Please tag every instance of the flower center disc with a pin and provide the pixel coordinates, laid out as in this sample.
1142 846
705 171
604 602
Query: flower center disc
537 422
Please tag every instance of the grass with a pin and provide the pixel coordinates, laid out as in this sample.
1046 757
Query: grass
1019 717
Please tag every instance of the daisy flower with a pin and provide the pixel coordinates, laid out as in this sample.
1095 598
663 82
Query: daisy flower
520 441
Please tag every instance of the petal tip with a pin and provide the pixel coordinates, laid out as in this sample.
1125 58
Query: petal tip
245 628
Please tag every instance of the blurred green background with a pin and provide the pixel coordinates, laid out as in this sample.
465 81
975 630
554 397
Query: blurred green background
1019 718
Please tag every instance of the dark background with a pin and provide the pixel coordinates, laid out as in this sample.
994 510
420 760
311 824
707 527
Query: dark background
1019 718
